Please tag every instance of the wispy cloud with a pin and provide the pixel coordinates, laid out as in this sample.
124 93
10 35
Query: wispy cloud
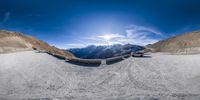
140 38
133 34
136 28
142 35
6 17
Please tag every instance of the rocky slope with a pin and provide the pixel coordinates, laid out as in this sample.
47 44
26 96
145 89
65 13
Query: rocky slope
188 43
14 41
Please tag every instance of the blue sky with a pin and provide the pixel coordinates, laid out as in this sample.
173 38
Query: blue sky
78 23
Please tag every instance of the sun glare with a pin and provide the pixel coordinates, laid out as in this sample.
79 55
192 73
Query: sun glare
107 37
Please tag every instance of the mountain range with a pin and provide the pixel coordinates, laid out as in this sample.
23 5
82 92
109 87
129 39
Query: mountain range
187 43
102 52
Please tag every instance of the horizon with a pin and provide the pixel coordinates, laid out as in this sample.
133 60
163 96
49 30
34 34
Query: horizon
77 24
104 46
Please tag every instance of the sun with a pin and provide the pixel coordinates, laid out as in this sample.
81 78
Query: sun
107 37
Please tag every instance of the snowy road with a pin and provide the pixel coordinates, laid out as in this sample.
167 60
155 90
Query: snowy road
30 75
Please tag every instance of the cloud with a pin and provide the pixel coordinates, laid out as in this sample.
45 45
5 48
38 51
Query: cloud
140 38
133 34
6 17
136 28
141 35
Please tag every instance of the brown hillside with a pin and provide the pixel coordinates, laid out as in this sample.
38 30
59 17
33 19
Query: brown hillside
14 41
188 43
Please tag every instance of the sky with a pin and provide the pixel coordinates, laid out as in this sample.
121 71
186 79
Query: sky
79 23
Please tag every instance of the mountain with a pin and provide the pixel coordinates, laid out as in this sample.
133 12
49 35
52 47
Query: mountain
188 43
14 41
102 52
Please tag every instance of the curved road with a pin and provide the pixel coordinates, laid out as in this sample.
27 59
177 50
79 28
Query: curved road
31 75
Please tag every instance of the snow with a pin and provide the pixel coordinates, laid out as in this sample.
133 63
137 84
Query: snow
157 76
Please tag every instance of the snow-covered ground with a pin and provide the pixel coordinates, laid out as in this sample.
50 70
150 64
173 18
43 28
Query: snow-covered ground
39 76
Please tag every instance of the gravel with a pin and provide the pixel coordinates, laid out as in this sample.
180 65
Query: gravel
39 76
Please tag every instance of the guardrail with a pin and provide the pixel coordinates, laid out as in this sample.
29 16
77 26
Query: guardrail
59 56
90 61
127 56
87 61
41 51
114 59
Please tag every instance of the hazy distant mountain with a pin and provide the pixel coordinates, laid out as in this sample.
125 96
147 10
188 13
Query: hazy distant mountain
188 43
14 41
101 52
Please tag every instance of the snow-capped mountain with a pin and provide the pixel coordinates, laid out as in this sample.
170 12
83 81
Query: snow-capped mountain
102 52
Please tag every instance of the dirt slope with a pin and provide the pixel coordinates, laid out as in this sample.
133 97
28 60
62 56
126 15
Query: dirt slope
14 41
188 43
